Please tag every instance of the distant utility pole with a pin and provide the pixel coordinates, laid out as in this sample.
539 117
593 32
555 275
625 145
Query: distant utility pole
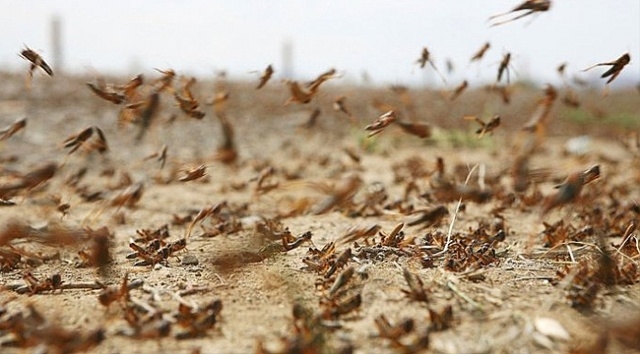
56 44
287 59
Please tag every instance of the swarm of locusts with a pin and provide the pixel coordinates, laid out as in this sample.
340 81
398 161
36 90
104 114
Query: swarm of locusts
166 203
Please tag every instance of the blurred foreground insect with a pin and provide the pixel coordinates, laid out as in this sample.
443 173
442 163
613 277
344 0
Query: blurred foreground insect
135 102
503 91
340 194
313 118
108 295
226 152
205 213
417 291
504 66
30 180
263 185
36 61
421 130
165 82
393 332
441 320
459 90
561 69
539 119
194 174
358 232
298 94
532 5
339 105
161 156
128 197
569 191
480 53
34 330
429 217
75 141
570 99
82 139
15 127
264 78
187 102
219 100
101 90
130 88
485 127
36 286
425 57
304 95
450 66
148 110
197 320
380 123
327 75
616 67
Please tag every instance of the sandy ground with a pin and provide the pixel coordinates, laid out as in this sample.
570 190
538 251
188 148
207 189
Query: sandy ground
516 303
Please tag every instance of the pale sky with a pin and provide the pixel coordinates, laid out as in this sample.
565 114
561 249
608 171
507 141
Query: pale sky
383 38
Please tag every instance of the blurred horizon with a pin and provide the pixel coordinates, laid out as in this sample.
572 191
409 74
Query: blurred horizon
379 40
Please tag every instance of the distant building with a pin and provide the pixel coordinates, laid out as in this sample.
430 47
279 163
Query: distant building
57 54
287 60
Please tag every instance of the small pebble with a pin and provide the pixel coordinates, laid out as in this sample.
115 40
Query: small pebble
189 260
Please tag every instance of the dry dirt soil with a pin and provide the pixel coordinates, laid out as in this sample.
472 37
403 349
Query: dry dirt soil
511 279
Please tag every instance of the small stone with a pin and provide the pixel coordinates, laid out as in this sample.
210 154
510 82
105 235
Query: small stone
542 340
551 328
189 259
578 145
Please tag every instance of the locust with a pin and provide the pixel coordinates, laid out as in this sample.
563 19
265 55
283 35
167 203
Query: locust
381 122
165 82
530 6
417 291
419 129
327 75
160 156
36 286
569 191
480 53
339 105
504 67
265 77
425 57
356 233
298 95
459 90
187 102
561 69
487 127
304 95
313 118
615 69
342 193
6 133
30 180
194 174
393 332
36 61
82 139
101 90
539 120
